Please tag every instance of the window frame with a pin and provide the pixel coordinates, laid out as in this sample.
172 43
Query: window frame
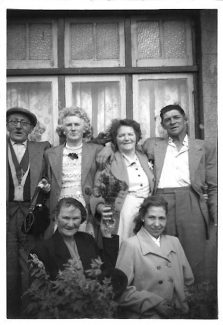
128 70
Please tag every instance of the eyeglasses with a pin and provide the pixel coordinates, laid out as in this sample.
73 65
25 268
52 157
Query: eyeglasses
22 123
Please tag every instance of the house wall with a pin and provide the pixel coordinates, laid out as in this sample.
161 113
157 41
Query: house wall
209 72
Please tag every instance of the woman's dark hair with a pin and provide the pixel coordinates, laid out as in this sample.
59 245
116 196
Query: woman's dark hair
151 201
70 201
116 124
168 108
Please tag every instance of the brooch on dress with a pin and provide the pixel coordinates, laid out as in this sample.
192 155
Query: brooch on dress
73 155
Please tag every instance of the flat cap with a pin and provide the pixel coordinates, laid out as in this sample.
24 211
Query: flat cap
32 117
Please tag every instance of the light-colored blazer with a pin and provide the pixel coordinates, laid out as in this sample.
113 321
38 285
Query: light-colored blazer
37 164
154 273
54 158
202 167
119 170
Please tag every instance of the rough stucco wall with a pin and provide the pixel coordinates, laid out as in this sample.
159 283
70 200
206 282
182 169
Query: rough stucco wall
209 72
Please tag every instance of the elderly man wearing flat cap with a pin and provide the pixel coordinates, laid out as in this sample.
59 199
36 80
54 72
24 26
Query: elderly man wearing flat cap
25 171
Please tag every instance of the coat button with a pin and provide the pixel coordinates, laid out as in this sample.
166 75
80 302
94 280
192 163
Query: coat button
160 282
158 267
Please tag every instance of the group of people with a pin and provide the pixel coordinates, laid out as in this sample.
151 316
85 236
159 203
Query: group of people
164 213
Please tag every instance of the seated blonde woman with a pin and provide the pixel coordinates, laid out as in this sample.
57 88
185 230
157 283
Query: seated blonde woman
156 266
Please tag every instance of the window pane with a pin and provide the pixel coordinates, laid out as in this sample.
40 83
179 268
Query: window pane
40 41
16 42
94 43
174 39
107 41
148 40
101 101
82 45
153 94
37 97
32 45
161 42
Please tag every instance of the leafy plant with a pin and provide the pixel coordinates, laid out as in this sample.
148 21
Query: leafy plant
72 295
202 301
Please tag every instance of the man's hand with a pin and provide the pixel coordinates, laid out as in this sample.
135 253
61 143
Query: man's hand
44 185
165 309
103 156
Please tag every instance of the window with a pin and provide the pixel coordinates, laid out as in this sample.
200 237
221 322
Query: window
152 92
161 42
94 43
112 64
103 98
40 96
32 44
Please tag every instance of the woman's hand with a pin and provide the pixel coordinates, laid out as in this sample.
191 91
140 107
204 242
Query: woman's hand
165 309
107 221
104 210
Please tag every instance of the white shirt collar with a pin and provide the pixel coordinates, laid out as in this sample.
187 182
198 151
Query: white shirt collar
185 141
156 240
73 148
128 160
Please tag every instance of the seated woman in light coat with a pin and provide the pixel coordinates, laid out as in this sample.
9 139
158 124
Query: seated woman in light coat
155 264
129 166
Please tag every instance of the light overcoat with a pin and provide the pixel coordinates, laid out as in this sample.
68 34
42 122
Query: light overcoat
154 273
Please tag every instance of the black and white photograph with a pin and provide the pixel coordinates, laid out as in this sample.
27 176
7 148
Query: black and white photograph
112 160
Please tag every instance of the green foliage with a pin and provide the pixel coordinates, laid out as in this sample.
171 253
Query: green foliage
71 295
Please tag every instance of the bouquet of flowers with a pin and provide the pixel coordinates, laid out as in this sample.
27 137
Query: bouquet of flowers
109 187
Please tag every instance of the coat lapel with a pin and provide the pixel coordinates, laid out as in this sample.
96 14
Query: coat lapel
7 171
61 251
86 162
55 157
144 163
195 154
148 246
159 153
118 168
35 165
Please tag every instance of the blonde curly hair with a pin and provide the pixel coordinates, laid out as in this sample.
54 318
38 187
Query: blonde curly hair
74 111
